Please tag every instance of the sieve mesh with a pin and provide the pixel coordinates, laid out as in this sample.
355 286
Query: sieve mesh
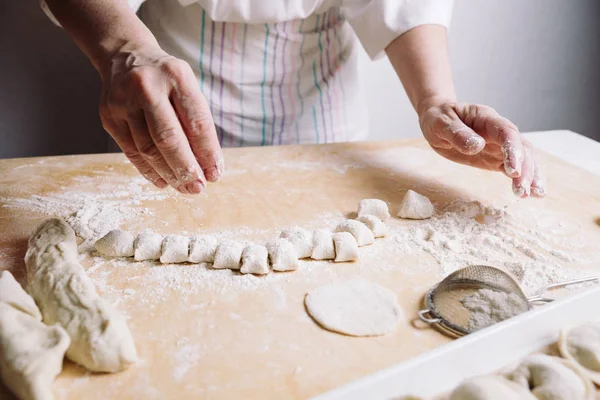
444 300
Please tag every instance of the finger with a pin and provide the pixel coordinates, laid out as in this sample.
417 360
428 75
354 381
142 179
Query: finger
198 125
504 133
538 184
171 142
122 135
149 151
522 183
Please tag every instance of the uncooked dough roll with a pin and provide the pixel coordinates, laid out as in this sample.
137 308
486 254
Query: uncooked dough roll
31 353
255 260
100 339
376 207
301 239
282 255
360 231
323 248
581 345
116 243
415 206
13 294
374 224
202 249
148 246
346 248
228 255
175 249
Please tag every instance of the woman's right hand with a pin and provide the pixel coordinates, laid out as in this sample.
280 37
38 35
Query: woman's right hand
152 106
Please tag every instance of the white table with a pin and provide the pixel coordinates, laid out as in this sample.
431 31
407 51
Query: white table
569 146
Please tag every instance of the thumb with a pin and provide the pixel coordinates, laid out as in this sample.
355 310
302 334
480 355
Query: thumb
464 139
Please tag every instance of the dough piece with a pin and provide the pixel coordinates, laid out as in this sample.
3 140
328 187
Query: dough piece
346 248
13 294
255 260
175 249
415 206
31 353
323 248
228 255
376 207
282 255
116 243
354 307
490 387
301 239
202 249
360 231
582 346
374 224
148 246
100 339
552 378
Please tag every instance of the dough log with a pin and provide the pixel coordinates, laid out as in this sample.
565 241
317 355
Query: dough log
100 339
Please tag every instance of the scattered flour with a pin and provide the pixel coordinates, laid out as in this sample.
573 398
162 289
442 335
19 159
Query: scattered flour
489 307
186 357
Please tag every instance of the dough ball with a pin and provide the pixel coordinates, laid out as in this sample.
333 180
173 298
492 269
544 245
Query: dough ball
354 307
374 224
175 249
15 296
116 243
360 231
202 249
376 207
490 387
282 255
301 239
147 246
582 346
552 378
346 248
415 206
323 248
228 255
255 260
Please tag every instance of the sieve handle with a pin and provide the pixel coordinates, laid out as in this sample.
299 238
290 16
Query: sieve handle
425 316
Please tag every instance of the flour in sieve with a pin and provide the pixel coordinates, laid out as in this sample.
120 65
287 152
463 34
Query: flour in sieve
489 307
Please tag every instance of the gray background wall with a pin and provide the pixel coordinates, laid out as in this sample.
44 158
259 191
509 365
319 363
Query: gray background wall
535 61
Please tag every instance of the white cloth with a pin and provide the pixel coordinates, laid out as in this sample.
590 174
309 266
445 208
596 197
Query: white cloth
283 72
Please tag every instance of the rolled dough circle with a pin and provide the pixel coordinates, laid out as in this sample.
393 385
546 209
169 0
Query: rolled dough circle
354 307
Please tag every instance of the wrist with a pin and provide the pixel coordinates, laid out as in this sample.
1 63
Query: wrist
429 102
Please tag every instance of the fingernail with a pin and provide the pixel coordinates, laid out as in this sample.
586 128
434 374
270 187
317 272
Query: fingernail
538 192
522 190
195 187
512 172
213 174
475 144
160 183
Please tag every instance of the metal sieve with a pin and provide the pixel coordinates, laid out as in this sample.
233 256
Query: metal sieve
443 301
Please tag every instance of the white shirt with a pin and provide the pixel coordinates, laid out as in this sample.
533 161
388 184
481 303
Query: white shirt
283 71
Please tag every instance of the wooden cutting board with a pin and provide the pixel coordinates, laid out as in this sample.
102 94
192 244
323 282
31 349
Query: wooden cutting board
217 335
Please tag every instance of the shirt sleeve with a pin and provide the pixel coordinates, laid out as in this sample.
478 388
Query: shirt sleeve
378 22
133 4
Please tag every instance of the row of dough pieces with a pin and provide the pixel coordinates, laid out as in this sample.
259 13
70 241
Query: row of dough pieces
544 377
282 253
62 315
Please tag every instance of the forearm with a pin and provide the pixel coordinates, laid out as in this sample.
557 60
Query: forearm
101 28
420 58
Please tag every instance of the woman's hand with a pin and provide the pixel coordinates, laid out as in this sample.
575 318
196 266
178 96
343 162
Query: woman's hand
477 135
152 106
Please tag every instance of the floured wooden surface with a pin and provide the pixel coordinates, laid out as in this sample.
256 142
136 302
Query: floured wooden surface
214 334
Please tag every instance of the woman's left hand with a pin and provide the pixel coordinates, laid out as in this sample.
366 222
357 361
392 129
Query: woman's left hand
478 136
